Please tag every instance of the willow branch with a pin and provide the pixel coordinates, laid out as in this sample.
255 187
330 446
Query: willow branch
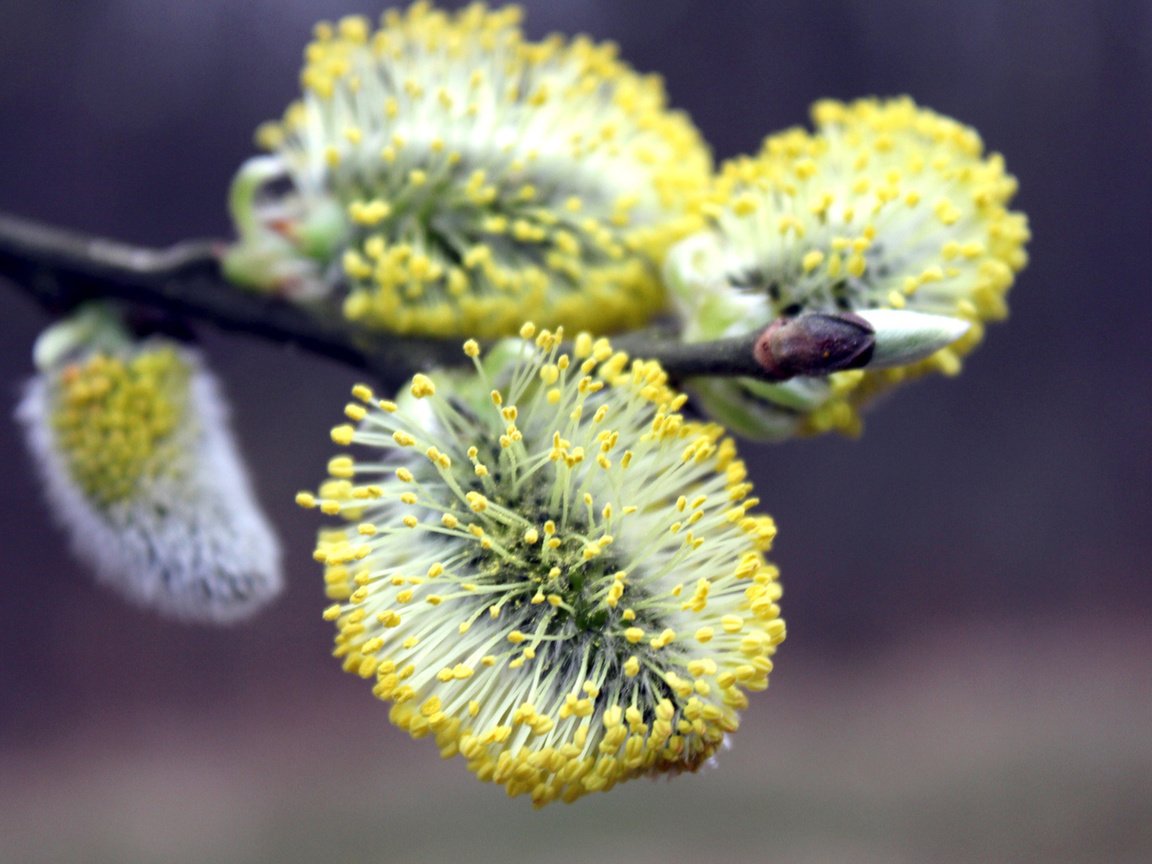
61 269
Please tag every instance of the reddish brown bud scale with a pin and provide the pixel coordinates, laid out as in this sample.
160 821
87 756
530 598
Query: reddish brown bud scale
814 344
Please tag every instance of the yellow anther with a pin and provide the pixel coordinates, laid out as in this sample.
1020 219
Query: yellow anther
422 386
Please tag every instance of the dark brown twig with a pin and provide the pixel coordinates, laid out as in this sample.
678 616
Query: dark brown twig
62 269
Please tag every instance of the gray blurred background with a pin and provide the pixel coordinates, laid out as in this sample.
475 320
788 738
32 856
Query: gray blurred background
968 675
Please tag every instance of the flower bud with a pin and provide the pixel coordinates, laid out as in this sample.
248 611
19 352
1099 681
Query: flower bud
141 470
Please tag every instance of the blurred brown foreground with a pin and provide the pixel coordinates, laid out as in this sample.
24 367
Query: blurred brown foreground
1010 744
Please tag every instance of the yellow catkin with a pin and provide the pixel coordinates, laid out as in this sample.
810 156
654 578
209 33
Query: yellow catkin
578 176
539 627
885 205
